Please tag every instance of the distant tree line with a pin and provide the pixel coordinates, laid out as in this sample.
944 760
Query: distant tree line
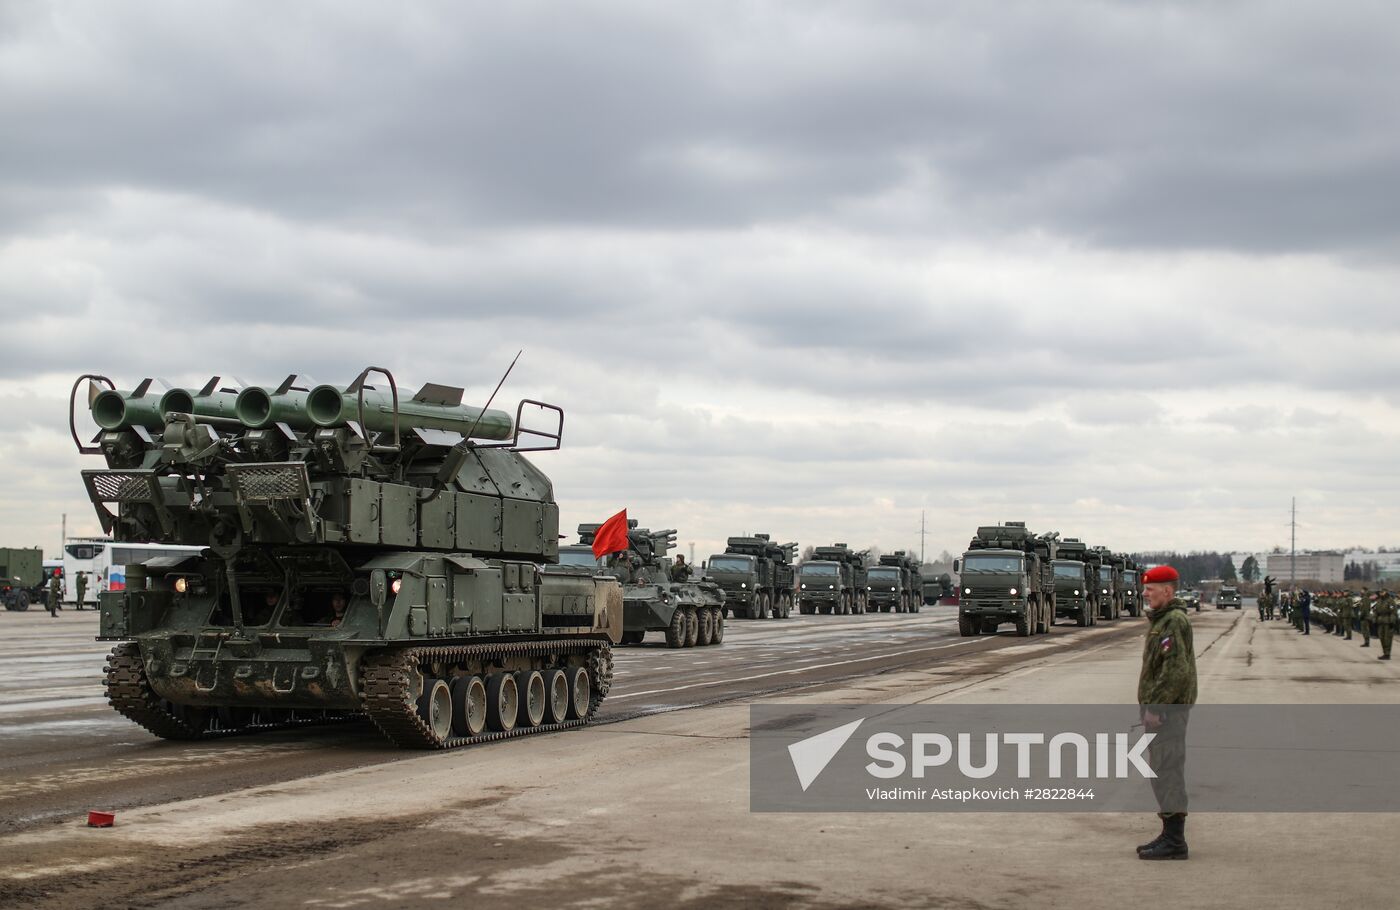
1360 571
1197 567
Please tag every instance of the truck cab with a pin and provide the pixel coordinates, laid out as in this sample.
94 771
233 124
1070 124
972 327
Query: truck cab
994 588
1229 596
823 586
1074 591
738 577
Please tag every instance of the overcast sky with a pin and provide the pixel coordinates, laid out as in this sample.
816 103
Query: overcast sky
1124 270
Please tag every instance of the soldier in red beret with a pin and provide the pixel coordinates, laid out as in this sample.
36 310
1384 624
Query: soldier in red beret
1166 691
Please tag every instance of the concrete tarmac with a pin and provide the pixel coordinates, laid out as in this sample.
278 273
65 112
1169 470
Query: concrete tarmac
652 808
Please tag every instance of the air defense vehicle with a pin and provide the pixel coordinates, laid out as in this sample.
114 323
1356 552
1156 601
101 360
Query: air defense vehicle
895 584
1229 597
1007 576
21 574
756 576
1132 587
689 613
365 554
833 581
1110 579
939 590
1076 569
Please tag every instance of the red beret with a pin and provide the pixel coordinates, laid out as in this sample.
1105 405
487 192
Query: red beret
1161 573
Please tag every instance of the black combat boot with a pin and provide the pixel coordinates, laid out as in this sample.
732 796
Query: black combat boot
1156 840
1173 843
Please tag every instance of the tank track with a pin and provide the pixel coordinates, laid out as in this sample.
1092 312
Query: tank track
387 696
129 692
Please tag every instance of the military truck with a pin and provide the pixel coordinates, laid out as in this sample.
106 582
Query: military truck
940 590
1007 576
895 584
1132 587
833 581
21 574
689 613
1228 597
756 576
1076 570
366 554
1110 579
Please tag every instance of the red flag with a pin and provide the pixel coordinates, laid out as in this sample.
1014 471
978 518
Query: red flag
611 536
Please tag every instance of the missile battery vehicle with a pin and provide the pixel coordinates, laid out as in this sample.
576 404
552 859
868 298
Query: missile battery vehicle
756 576
365 555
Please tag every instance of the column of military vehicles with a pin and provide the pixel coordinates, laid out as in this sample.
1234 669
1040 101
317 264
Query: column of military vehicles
362 553
1011 575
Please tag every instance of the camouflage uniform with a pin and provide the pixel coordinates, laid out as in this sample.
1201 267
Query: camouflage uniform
1344 611
1363 611
680 571
55 591
1385 622
1167 687
81 582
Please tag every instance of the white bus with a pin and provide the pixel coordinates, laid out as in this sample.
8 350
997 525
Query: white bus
105 563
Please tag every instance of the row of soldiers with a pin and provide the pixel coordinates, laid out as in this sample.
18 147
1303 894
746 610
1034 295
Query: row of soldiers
1371 613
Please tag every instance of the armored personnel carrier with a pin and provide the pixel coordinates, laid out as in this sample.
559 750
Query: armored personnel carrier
689 613
833 581
756 576
1007 576
895 584
364 554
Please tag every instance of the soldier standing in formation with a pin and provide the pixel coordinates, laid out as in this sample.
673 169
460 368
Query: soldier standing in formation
81 583
1166 692
55 591
1385 622
1363 616
1305 611
1345 614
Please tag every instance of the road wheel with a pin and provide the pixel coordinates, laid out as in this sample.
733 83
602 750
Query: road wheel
785 602
1082 619
692 627
675 632
556 703
529 684
502 702
1023 626
469 705
760 607
966 628
580 692
718 635
435 707
706 633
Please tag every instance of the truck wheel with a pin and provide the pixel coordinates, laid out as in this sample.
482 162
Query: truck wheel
786 600
675 631
718 635
692 627
1023 626
966 628
760 606
706 627
1083 618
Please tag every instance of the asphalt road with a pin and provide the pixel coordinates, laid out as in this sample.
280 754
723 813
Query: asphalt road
63 751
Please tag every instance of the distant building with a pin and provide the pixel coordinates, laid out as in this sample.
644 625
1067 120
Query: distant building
1324 568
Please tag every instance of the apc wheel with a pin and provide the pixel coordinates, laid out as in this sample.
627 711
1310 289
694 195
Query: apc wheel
502 702
530 686
580 692
633 638
556 702
718 635
468 705
706 632
675 632
435 707
692 627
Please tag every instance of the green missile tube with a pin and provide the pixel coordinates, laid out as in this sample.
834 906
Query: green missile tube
117 410
331 406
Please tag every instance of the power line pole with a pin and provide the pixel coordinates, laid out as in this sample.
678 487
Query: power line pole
923 532
63 535
1293 545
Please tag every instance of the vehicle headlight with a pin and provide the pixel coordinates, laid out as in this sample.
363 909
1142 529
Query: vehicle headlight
967 590
1104 591
396 586
743 584
804 586
182 585
1013 592
832 587
893 589
1076 592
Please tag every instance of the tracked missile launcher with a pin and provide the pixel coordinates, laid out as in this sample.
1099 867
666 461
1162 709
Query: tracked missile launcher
365 554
